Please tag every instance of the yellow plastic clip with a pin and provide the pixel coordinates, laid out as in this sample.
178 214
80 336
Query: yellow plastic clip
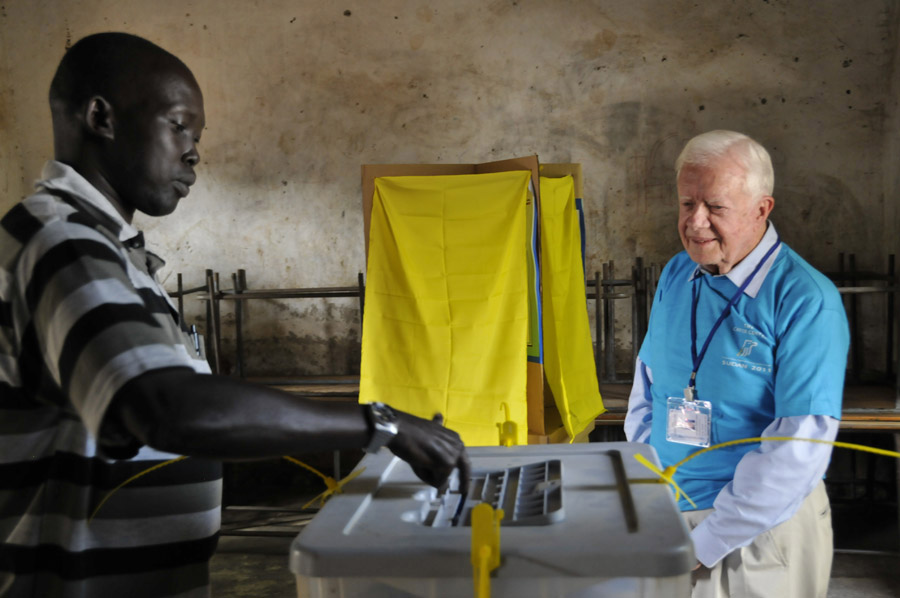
509 431
485 546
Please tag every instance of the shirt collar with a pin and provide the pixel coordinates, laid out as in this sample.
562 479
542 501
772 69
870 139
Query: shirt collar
62 177
745 267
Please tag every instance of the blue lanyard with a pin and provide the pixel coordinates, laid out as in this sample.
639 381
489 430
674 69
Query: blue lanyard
695 299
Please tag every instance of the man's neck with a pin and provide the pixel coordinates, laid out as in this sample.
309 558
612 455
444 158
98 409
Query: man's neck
718 269
95 177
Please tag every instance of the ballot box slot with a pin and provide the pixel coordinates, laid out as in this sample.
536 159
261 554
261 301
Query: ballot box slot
528 494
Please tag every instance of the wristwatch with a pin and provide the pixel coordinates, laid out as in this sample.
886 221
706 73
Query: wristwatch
383 422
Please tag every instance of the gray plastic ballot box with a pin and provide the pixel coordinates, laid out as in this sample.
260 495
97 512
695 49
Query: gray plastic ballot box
581 520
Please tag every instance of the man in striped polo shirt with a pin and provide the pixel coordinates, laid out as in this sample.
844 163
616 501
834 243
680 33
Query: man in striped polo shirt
98 380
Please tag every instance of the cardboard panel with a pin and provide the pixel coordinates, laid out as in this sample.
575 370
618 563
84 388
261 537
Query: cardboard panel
536 406
527 163
561 170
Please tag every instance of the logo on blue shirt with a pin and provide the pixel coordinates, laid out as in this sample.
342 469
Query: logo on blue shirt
747 348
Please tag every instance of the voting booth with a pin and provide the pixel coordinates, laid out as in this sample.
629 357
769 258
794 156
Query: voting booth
475 300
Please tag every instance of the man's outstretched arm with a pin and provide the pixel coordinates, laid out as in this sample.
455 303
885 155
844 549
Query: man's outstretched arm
179 411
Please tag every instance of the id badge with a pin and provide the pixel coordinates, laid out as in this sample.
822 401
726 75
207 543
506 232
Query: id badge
688 422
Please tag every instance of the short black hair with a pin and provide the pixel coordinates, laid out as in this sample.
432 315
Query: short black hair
104 64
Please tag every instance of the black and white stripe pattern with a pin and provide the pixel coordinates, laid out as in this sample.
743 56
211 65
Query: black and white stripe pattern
81 314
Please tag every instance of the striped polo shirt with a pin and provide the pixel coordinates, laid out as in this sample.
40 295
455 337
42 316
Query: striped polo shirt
81 314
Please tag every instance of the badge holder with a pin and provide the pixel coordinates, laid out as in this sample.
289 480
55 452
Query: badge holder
688 421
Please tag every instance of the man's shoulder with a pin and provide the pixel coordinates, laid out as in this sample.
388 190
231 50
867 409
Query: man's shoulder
43 220
37 211
678 269
796 278
26 219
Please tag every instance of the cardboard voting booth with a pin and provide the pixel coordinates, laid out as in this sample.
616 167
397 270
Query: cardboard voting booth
461 316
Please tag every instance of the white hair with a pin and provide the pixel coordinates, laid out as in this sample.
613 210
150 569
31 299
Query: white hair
707 147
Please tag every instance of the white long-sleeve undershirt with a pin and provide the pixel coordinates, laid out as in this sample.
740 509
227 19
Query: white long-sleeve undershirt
770 482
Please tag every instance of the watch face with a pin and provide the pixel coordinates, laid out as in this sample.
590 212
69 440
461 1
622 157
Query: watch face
381 413
384 422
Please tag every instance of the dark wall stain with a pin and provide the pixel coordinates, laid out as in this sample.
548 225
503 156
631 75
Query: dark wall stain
620 124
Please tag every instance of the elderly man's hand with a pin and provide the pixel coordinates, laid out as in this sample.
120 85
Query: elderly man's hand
432 450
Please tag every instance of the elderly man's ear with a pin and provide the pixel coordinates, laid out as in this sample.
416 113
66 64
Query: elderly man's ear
765 207
98 117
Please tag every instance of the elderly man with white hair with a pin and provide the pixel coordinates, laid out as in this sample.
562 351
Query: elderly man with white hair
745 340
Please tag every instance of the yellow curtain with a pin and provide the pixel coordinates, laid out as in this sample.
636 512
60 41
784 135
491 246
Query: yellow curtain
446 309
568 350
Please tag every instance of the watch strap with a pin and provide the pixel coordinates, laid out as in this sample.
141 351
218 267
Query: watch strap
383 423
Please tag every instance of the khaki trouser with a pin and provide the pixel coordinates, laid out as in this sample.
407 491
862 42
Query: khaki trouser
791 560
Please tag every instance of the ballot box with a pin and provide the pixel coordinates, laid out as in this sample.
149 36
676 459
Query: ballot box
580 520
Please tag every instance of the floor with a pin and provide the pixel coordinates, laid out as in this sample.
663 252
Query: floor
866 564
864 576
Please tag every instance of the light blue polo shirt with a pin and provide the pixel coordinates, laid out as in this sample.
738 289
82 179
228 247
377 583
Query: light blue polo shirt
780 352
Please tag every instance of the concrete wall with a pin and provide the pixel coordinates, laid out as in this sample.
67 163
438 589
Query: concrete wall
299 94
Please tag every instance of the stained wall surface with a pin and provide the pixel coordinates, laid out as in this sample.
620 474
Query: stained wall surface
300 93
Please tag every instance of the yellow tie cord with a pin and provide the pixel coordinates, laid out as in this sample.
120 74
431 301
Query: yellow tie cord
131 479
332 486
667 476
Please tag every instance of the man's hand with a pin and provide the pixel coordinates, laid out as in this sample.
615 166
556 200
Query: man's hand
431 450
699 572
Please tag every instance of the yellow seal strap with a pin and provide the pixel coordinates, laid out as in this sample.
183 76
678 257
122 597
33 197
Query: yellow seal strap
508 429
131 479
485 546
332 486
667 476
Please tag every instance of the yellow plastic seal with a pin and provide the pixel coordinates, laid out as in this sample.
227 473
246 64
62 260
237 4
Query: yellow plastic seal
485 546
509 431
